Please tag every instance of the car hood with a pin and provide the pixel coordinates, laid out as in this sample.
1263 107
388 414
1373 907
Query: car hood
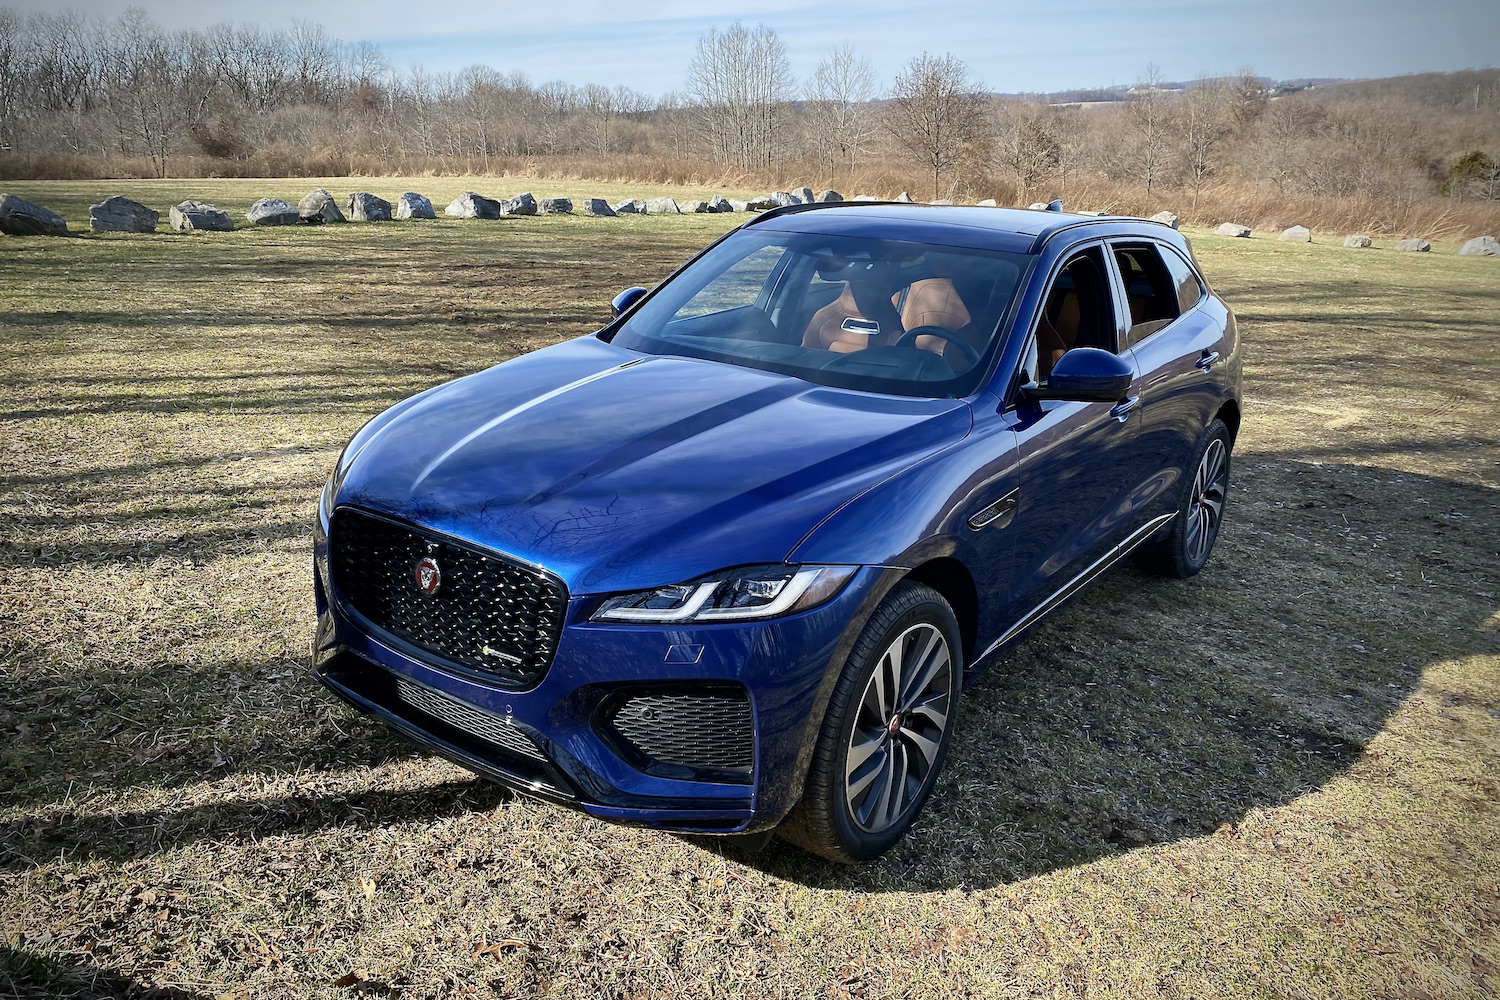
618 471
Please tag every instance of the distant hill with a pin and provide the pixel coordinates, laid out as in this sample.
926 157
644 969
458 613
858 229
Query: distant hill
1467 89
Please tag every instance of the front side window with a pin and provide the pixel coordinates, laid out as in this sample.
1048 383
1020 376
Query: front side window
889 316
1077 311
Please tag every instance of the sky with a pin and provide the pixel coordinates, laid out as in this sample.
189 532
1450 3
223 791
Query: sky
1009 46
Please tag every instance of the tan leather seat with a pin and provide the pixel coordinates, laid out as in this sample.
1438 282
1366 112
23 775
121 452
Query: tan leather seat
935 302
864 298
1057 330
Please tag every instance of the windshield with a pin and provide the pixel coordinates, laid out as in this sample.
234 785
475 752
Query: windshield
880 315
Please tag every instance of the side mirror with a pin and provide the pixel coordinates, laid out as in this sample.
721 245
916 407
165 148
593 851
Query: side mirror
1086 375
626 299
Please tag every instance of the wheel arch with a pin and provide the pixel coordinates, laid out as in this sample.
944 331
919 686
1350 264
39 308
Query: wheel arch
952 579
1229 412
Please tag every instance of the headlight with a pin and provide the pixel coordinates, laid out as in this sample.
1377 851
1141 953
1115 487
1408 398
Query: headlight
734 595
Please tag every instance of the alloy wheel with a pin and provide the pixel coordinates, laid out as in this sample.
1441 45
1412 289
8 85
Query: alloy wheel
899 728
1206 507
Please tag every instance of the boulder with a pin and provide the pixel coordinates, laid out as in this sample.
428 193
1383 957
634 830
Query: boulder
806 194
1038 206
413 206
273 212
1166 219
988 203
121 215
662 206
365 207
318 206
719 203
829 196
761 204
904 198
1414 246
631 206
1480 246
190 216
784 198
1296 234
1357 241
597 206
941 201
522 204
694 207
555 206
864 197
1232 229
473 206
735 205
22 218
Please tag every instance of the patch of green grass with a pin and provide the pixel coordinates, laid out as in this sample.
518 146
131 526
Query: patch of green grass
71 199
1277 779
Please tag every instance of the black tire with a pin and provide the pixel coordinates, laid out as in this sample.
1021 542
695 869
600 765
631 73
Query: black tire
1184 550
842 816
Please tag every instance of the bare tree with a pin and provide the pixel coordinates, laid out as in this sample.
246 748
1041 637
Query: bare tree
838 109
601 108
936 111
739 83
1150 112
1203 123
1026 144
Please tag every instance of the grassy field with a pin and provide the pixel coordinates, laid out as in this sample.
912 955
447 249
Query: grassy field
1280 779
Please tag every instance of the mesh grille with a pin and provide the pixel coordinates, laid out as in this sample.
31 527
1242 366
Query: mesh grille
487 613
471 720
699 731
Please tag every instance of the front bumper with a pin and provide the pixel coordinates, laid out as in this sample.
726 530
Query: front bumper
786 668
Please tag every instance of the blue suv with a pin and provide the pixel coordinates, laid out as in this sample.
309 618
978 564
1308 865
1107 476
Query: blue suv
726 565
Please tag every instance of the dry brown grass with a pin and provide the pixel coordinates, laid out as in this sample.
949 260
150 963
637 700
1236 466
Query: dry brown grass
1278 779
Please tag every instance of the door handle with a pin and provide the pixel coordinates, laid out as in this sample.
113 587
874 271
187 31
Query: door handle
1122 409
1207 361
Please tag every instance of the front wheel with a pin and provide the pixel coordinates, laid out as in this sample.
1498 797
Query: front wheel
1185 550
885 736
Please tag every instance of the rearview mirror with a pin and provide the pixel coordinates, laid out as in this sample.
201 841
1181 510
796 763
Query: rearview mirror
1086 375
626 299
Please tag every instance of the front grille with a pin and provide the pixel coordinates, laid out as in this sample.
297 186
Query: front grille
486 613
697 731
475 722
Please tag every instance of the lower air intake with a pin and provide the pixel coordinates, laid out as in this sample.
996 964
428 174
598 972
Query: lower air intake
710 733
474 721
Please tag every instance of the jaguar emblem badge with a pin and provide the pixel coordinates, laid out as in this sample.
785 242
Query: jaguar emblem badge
429 577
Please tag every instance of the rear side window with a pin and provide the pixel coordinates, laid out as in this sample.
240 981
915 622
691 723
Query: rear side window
1150 290
1189 287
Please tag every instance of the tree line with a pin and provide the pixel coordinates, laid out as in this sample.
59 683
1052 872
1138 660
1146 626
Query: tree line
125 91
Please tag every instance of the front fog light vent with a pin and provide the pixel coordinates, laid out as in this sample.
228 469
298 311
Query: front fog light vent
708 733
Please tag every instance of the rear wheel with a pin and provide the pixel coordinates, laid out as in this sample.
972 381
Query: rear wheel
886 734
1185 550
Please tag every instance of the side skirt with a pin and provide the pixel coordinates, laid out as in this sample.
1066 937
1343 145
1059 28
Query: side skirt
1076 585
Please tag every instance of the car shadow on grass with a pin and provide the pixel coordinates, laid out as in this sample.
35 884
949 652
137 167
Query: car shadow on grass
1150 711
1156 710
39 975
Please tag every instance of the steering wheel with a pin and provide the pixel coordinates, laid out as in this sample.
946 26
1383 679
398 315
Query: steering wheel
909 339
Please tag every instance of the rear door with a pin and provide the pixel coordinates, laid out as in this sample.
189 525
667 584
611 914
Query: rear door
1175 345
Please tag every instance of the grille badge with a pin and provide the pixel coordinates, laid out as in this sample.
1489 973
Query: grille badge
429 576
